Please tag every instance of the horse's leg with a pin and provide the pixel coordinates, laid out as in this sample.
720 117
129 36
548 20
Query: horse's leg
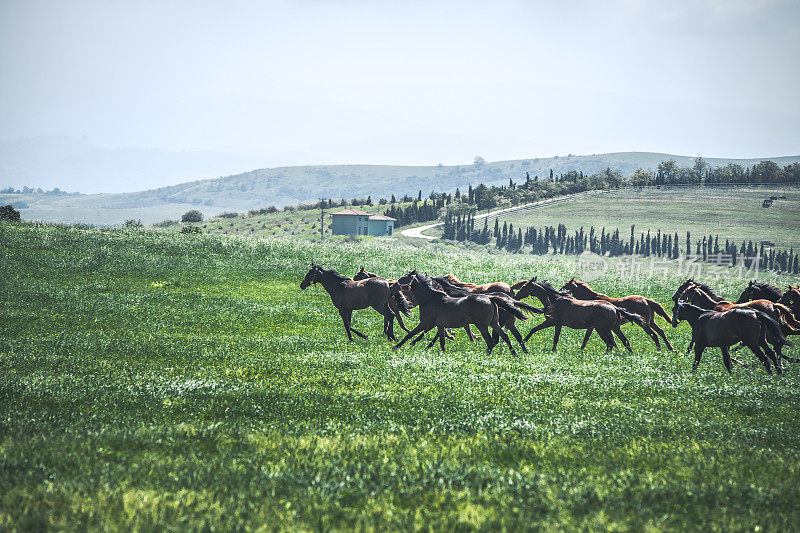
410 334
422 336
497 329
517 335
390 316
649 330
589 331
486 337
469 333
556 335
548 322
776 359
449 334
726 358
764 359
440 333
346 315
698 353
350 326
625 342
689 348
397 314
435 338
660 331
608 338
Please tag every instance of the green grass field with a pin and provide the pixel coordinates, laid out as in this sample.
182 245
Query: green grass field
153 380
733 213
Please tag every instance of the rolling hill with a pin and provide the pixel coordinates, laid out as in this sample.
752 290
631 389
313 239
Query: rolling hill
291 185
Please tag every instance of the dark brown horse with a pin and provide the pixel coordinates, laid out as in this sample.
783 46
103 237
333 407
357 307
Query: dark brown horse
759 290
507 320
405 284
776 311
725 328
364 274
562 309
349 295
644 307
438 310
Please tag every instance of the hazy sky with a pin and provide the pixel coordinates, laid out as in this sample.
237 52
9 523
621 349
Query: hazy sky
406 82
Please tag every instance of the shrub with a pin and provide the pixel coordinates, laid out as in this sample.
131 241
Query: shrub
165 223
131 223
192 216
228 214
191 230
9 213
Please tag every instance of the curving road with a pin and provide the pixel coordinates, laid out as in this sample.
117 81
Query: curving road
417 231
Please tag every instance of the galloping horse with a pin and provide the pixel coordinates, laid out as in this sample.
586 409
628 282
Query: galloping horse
364 274
348 295
438 310
759 290
507 320
695 295
725 328
562 309
644 307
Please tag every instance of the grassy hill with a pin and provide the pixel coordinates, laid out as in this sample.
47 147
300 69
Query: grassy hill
157 380
292 185
730 212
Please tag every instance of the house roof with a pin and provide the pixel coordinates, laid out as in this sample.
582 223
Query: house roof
351 212
381 217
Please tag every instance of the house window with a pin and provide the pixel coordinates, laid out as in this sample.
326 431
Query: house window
390 230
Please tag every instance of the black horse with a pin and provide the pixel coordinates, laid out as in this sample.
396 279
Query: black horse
760 290
438 310
723 329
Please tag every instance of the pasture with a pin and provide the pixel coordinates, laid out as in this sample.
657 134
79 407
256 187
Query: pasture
731 212
150 379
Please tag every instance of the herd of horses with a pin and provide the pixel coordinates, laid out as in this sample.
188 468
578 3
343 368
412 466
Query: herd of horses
760 319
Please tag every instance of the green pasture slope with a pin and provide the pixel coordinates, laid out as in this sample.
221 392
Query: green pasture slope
730 212
156 380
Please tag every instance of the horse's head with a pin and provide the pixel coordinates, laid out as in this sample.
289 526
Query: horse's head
683 286
791 298
312 276
526 290
575 287
361 274
406 278
749 293
676 312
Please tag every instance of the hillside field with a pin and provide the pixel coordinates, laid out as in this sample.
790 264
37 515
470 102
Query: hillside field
730 212
155 380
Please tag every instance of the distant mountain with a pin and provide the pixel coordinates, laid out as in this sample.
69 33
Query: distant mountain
76 165
291 185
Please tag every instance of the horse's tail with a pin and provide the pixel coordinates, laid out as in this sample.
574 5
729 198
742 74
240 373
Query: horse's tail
788 317
631 317
509 307
402 303
525 306
774 328
658 309
519 284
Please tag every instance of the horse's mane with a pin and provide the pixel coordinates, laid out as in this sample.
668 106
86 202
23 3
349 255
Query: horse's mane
708 290
428 283
702 293
545 284
764 286
449 287
333 273
455 281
